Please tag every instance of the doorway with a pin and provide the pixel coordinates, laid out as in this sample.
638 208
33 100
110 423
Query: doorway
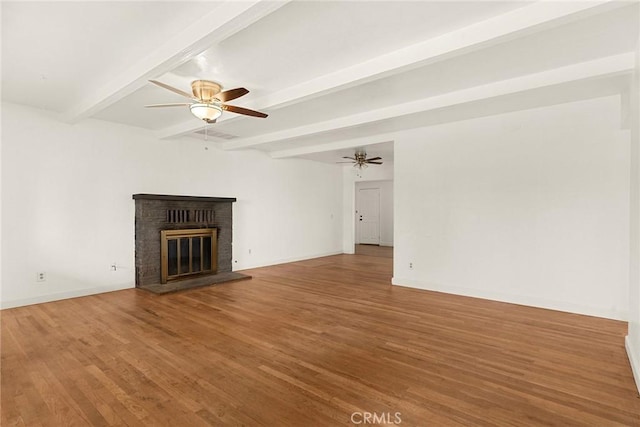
373 219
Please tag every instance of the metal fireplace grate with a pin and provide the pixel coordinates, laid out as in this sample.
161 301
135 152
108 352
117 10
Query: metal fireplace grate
177 216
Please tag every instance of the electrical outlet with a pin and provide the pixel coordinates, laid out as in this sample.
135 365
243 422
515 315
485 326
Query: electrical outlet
41 277
410 266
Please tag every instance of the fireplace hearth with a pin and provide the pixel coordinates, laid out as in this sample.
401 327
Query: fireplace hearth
182 242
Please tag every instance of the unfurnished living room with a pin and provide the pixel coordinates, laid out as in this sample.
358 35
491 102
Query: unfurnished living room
320 213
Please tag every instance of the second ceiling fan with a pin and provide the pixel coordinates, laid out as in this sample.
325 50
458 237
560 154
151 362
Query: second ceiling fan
208 100
360 160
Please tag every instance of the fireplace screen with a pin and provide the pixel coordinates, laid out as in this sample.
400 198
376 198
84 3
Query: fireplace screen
188 253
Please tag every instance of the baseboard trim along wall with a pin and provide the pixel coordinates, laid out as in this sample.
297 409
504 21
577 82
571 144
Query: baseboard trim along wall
634 360
102 289
63 295
514 299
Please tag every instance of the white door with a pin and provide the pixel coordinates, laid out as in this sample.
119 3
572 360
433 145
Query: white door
368 216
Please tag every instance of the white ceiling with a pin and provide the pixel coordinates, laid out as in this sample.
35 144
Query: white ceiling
333 75
52 51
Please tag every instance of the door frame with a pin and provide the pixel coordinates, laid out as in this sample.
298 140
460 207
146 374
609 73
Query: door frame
349 201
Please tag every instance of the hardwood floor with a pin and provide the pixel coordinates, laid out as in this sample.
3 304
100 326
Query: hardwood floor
374 250
309 344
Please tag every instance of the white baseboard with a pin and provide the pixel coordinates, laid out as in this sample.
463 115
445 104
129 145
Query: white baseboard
634 360
102 289
63 295
239 267
514 299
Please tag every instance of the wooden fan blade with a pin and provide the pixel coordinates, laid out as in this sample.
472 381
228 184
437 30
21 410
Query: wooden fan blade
345 157
245 111
172 89
375 158
344 162
231 94
167 105
374 163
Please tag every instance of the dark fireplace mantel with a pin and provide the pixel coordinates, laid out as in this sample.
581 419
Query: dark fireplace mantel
157 213
144 196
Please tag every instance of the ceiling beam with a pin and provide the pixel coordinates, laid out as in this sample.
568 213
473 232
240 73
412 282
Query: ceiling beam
517 23
333 146
603 67
225 20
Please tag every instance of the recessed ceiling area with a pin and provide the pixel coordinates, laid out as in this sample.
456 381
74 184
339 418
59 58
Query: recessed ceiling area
327 73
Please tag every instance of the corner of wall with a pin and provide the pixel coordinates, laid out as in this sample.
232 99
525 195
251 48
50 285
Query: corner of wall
632 340
634 360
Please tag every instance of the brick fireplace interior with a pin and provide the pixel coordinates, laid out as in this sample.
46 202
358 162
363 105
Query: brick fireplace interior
182 242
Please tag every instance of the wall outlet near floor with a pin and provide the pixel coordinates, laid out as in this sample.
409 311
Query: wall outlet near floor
410 266
41 277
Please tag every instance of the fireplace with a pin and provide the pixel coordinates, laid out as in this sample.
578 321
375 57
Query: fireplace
187 253
183 242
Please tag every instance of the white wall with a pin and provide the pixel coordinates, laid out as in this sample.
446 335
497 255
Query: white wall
633 338
530 207
386 209
382 172
67 208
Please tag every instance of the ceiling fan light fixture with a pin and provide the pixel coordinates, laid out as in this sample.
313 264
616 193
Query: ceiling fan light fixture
209 101
206 112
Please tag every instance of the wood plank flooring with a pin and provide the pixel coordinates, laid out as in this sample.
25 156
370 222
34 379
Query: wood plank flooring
309 344
374 250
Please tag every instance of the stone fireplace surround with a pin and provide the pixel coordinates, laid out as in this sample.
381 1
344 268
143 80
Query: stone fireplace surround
156 212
